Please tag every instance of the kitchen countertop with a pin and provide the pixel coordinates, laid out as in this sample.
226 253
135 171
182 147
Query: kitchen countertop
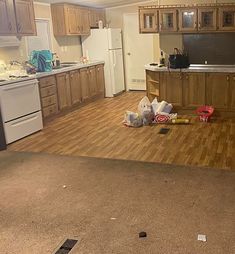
70 68
53 72
195 68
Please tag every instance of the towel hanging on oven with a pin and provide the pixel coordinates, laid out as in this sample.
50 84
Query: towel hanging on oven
178 60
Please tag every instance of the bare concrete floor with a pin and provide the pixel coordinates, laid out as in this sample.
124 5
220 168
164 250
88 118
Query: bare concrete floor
173 204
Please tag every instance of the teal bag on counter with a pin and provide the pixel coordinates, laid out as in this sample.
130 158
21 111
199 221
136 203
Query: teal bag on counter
42 60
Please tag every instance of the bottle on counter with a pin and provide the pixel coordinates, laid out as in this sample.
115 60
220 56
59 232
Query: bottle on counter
162 59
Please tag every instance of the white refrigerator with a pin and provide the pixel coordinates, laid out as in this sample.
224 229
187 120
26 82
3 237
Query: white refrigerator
106 44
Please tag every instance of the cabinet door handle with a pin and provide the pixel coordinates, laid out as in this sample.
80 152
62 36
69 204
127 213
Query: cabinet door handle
186 77
98 69
227 78
71 75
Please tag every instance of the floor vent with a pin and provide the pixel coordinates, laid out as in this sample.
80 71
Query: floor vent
66 247
163 131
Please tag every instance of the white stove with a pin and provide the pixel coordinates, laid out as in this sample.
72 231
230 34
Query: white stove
20 107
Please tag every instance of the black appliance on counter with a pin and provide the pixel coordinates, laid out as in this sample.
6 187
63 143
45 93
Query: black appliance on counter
3 145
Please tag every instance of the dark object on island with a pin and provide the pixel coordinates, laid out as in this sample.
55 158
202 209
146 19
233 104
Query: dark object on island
142 234
178 60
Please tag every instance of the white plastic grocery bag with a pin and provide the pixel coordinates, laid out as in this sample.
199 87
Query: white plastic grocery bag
144 105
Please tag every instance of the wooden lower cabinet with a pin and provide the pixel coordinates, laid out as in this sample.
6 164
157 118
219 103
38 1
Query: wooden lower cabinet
75 86
217 90
48 94
84 84
194 90
171 88
92 81
66 90
232 92
100 81
152 83
188 91
63 90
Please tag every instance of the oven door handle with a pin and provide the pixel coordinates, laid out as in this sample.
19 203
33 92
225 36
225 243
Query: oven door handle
22 84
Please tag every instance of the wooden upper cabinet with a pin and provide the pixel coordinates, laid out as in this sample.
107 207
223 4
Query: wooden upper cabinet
148 20
25 18
7 18
58 20
95 16
101 16
188 20
168 20
69 19
17 18
207 19
72 19
84 22
227 18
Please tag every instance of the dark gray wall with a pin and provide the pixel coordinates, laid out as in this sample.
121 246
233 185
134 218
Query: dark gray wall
214 48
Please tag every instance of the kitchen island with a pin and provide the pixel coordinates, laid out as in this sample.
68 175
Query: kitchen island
195 86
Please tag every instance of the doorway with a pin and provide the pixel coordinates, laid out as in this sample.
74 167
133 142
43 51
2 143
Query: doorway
42 40
138 51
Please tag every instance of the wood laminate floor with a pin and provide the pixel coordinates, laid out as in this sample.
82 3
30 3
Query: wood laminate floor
96 130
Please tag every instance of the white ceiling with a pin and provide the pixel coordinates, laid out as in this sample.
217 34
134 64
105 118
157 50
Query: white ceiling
96 3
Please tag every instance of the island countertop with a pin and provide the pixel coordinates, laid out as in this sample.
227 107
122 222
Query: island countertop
195 68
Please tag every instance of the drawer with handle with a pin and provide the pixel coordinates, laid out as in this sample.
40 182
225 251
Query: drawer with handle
47 91
47 81
49 111
50 100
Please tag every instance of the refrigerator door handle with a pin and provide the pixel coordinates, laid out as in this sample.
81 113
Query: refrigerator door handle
114 58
